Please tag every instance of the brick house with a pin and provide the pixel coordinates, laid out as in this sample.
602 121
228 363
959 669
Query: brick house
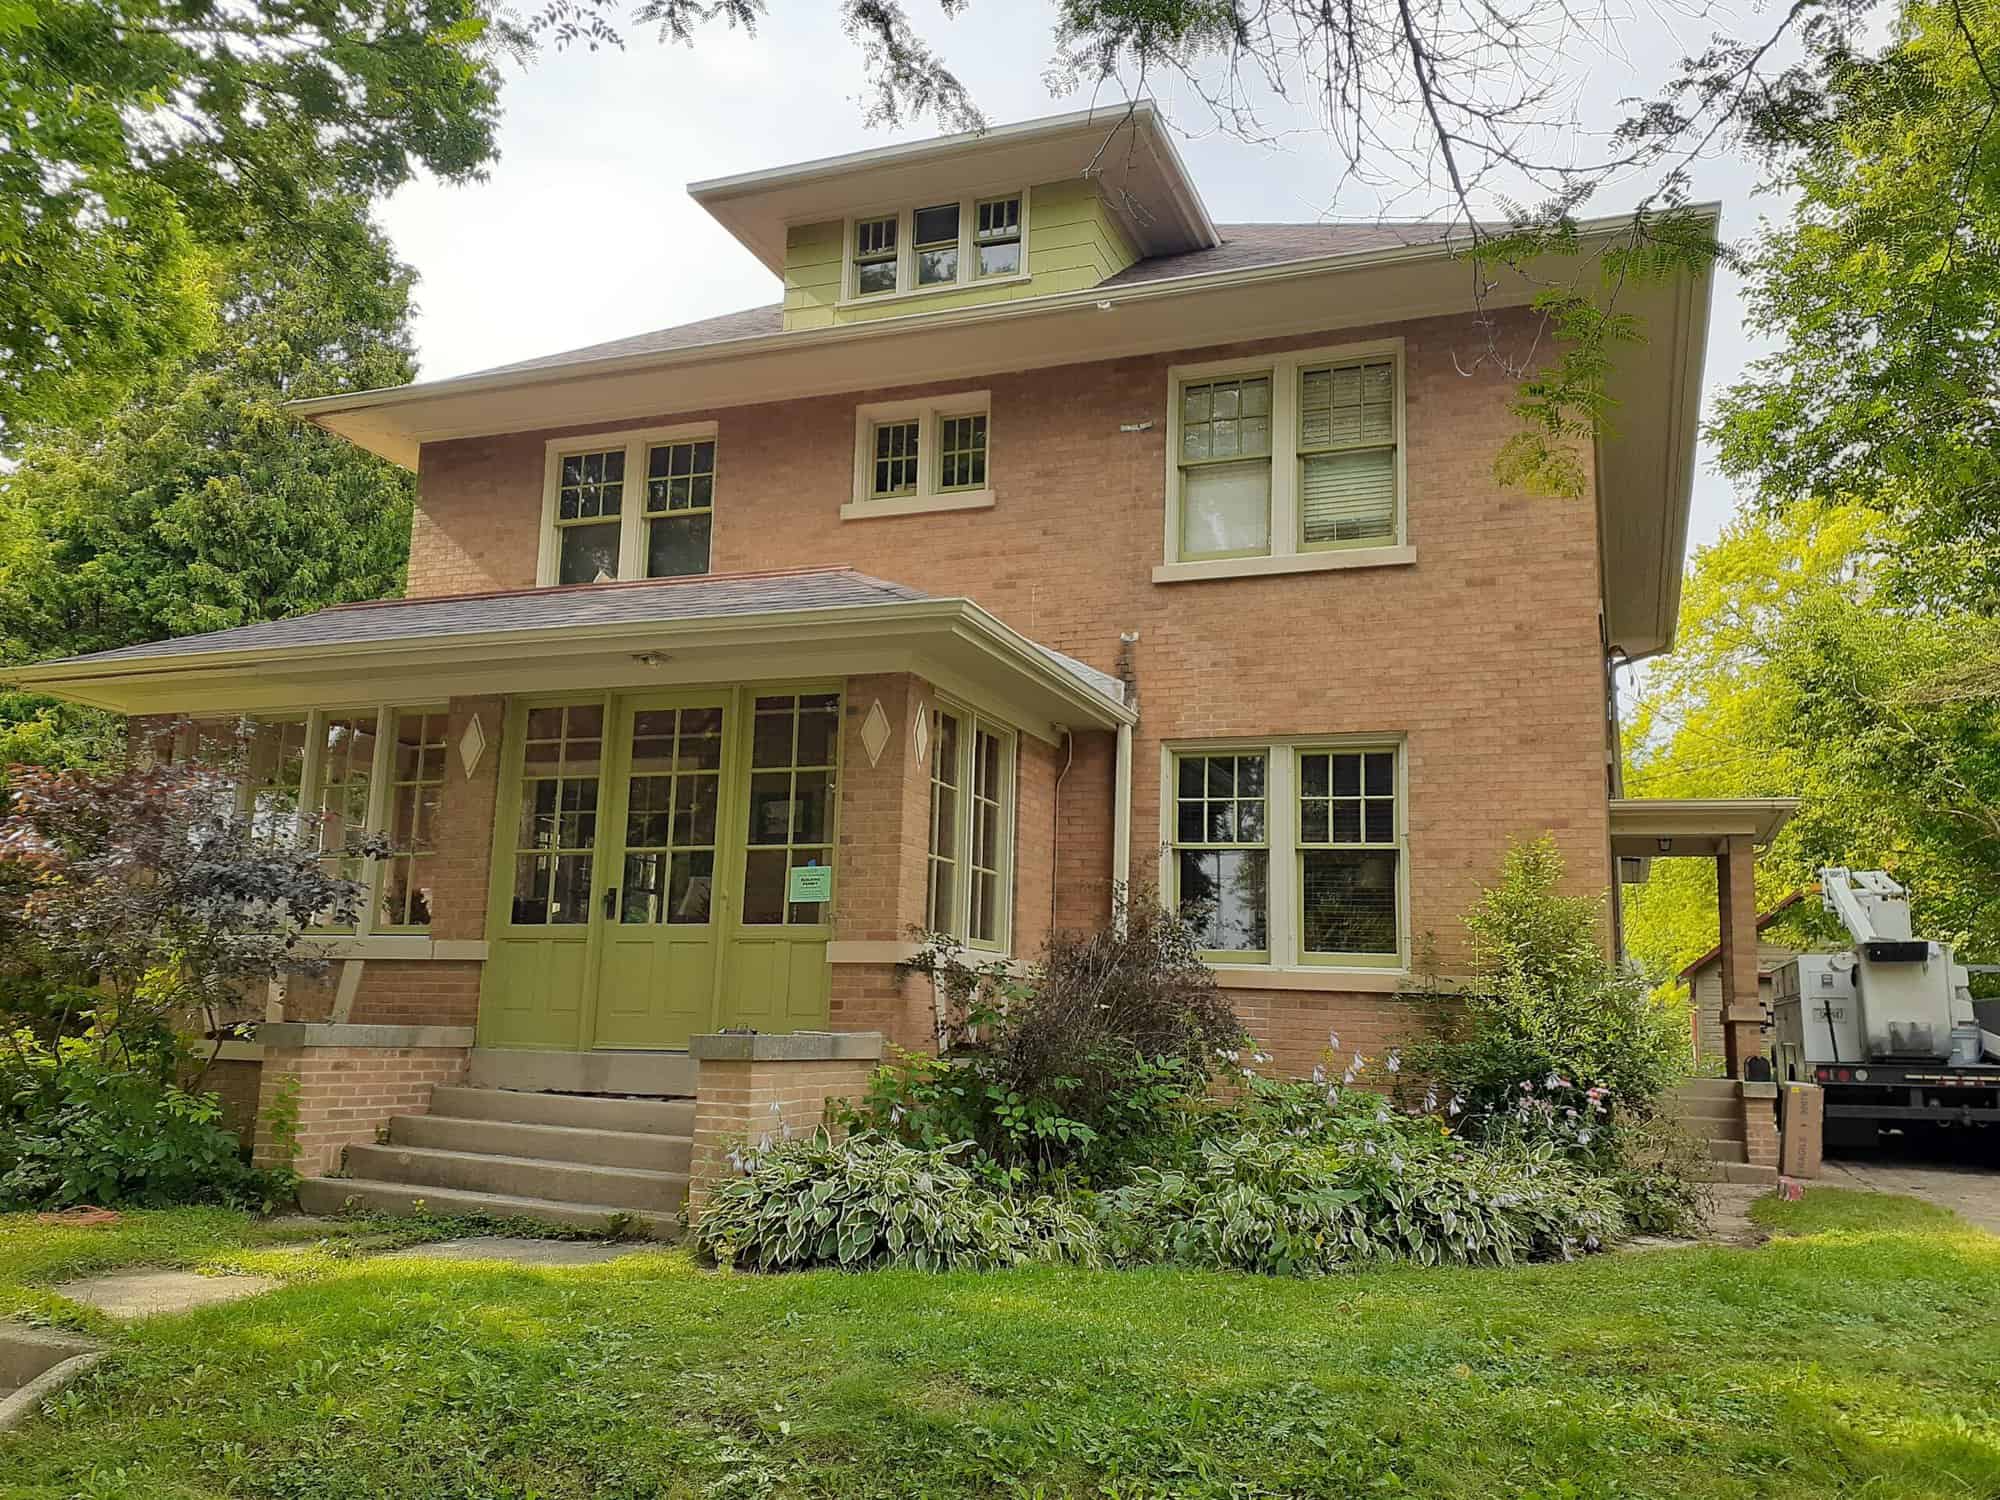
1045 540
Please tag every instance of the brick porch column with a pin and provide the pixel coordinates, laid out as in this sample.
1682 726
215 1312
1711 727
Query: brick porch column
348 1082
1736 901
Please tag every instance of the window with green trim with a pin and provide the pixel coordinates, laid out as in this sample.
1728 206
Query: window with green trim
590 501
971 863
874 256
962 453
1225 463
1221 851
1349 857
997 237
416 782
896 459
343 800
1347 454
680 508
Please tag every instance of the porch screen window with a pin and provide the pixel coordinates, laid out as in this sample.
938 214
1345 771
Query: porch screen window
962 453
562 766
1347 454
680 508
972 830
941 904
590 499
794 757
1221 859
896 445
934 236
342 805
874 256
998 236
416 780
274 778
1225 463
1348 854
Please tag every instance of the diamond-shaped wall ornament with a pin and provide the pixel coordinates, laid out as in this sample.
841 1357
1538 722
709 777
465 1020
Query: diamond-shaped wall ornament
875 732
472 745
920 733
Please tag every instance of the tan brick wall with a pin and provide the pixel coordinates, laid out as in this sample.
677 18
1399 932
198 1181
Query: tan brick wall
236 1081
884 814
348 1094
1486 653
748 1104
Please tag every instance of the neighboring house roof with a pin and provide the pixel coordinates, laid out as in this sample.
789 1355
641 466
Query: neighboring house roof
1244 247
1764 919
827 611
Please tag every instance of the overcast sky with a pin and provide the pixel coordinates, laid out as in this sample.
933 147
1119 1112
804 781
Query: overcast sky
583 231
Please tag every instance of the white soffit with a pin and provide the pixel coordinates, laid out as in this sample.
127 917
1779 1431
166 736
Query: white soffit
1125 149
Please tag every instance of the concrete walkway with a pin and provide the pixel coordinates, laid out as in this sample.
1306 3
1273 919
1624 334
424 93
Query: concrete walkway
129 1295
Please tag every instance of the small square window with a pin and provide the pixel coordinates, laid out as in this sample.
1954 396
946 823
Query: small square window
875 256
998 236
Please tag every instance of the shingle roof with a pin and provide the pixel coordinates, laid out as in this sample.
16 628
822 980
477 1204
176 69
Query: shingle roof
1243 247
651 602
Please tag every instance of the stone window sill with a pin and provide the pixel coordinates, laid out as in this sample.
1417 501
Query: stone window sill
916 505
1294 562
1307 977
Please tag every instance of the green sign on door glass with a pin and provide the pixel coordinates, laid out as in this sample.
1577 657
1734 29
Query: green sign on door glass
810 883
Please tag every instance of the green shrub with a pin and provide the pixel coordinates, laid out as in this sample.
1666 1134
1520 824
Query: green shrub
1288 1205
870 1201
81 1125
1660 1174
1070 1074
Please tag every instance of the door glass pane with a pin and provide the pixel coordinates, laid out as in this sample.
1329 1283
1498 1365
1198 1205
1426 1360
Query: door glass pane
671 797
556 833
794 752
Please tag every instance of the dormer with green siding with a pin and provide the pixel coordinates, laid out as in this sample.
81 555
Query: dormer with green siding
1057 206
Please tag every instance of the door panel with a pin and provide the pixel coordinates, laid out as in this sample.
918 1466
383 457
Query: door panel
776 977
656 979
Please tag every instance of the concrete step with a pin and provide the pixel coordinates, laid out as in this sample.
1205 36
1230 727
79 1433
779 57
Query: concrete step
669 1075
581 1111
570 1143
332 1195
1713 1130
1742 1173
520 1177
1700 1108
1727 1151
1709 1088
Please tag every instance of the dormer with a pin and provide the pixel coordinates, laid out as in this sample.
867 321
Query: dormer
1054 205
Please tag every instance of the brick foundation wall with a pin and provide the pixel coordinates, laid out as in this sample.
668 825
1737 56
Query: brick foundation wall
1294 1026
747 1102
1760 1124
346 1095
237 1081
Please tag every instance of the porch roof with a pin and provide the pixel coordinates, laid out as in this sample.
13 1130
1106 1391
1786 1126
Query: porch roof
1666 827
658 632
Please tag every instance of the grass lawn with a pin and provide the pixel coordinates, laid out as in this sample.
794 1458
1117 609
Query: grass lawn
1856 1355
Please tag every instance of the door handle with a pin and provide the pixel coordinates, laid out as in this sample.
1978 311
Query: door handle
610 902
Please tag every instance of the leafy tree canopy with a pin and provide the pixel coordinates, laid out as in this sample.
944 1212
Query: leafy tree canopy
140 139
199 503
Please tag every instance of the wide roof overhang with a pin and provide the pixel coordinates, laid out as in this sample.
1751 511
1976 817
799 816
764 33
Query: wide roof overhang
952 643
1125 149
1644 459
1670 827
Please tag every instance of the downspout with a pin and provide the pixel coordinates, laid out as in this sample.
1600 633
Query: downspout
1121 830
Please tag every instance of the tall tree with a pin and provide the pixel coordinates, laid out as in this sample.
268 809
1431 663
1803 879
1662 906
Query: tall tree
199 503
142 138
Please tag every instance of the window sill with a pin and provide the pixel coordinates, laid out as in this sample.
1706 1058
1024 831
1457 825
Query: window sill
1292 562
919 293
396 945
916 505
1308 977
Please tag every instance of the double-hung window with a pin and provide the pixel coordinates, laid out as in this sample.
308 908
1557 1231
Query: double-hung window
1290 853
629 505
928 454
937 246
1287 463
970 883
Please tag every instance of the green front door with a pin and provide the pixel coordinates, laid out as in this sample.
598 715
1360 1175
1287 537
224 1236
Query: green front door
656 967
643 868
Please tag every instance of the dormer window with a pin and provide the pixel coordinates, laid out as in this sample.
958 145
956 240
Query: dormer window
874 256
936 239
998 237
936 247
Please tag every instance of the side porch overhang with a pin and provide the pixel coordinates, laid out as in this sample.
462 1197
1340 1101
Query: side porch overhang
739 628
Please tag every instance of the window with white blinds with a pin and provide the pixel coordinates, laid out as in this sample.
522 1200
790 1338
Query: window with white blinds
1347 454
1277 464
